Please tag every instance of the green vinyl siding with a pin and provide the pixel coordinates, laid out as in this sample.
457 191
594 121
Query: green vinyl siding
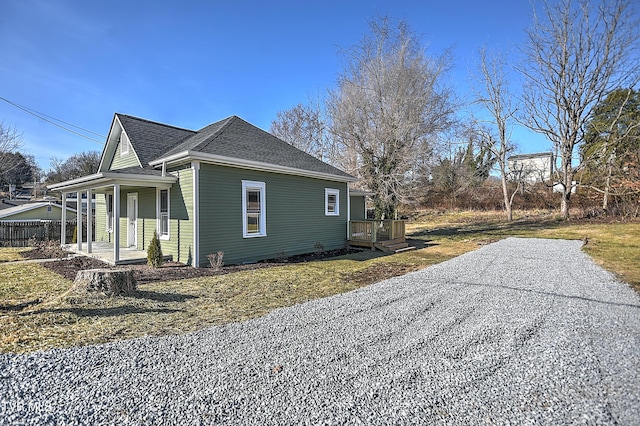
358 207
180 242
146 215
295 215
101 219
122 161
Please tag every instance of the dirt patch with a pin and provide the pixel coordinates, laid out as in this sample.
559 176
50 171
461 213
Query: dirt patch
45 250
378 272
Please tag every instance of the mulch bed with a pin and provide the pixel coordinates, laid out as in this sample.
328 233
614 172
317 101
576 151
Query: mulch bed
169 271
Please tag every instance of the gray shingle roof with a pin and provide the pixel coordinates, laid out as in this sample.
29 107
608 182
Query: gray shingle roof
232 137
149 139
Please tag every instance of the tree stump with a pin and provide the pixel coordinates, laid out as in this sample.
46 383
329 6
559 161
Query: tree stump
107 281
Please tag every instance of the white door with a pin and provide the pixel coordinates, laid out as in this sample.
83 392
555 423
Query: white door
132 220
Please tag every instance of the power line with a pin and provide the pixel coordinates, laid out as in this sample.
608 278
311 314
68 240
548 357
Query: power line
49 119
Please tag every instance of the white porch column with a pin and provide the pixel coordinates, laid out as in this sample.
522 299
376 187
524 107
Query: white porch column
63 230
79 219
89 220
116 222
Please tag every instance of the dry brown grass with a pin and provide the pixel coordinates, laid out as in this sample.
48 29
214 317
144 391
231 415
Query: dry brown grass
10 254
38 310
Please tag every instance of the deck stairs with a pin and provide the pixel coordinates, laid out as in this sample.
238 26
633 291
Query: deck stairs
397 245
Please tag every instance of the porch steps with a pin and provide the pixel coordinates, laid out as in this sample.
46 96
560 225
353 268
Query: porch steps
394 246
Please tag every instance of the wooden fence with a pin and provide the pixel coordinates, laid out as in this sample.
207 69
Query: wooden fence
18 233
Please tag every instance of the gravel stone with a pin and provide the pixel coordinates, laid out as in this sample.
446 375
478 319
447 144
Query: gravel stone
522 331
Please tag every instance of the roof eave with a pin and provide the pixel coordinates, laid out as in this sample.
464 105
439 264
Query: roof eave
248 164
103 179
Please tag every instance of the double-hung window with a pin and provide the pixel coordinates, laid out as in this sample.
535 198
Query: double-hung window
254 213
331 202
109 201
163 213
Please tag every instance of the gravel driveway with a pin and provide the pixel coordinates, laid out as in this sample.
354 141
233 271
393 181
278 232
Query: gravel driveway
519 331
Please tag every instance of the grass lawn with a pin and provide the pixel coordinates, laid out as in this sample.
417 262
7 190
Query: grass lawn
38 310
9 254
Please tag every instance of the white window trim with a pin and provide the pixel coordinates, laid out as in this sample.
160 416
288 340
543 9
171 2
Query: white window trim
109 229
124 144
327 192
261 186
159 219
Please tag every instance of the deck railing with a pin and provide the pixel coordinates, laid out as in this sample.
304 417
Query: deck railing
373 231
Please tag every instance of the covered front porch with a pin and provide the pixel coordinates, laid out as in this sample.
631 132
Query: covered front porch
104 251
124 198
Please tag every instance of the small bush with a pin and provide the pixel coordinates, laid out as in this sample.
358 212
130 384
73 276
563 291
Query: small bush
318 248
281 256
154 252
215 260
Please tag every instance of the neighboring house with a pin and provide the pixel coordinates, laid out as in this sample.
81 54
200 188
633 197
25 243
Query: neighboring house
42 210
228 187
531 168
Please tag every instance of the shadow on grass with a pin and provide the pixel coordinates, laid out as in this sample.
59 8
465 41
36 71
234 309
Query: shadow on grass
19 306
163 297
491 228
104 312
420 243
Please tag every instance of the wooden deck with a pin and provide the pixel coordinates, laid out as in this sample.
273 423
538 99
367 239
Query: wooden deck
385 235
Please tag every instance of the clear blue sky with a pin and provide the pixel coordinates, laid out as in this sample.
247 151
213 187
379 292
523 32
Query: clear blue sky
190 63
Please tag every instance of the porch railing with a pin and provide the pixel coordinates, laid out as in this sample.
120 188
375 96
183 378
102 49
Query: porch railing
372 231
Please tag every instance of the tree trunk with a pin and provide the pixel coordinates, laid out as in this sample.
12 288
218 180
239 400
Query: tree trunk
605 198
107 281
567 179
505 193
564 205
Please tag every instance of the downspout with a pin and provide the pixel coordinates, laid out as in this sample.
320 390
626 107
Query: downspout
164 169
348 211
195 168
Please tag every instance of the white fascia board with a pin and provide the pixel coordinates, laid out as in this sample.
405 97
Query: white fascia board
248 164
75 182
105 179
108 146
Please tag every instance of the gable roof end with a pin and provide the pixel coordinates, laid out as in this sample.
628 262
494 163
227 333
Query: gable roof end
150 139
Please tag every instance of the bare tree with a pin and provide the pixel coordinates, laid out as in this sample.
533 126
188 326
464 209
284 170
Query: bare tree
611 150
577 53
305 127
389 99
10 142
496 99
78 165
